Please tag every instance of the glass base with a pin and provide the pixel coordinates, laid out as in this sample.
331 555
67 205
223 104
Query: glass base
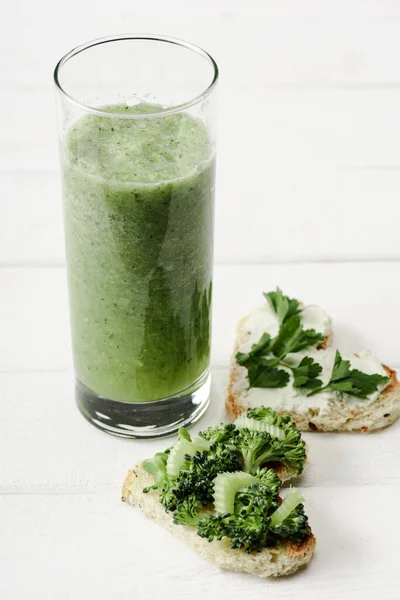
145 419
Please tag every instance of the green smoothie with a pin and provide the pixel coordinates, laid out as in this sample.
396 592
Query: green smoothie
138 201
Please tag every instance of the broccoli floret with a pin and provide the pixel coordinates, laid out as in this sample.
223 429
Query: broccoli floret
249 526
269 478
186 513
224 433
214 527
295 527
295 451
196 478
263 413
260 448
196 475
254 446
257 498
283 422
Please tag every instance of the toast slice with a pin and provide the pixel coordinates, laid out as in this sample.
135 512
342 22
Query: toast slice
269 562
340 415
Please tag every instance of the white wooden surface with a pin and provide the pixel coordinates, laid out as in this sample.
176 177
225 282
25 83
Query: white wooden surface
308 199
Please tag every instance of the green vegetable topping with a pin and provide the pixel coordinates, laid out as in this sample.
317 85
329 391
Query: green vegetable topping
184 434
257 350
264 376
292 337
220 434
305 375
248 523
352 381
260 448
266 414
197 474
226 485
284 306
187 512
295 527
269 353
292 499
180 450
157 466
242 422
289 451
220 482
195 477
268 364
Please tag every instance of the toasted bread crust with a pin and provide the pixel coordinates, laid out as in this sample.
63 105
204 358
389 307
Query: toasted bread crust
393 377
269 562
128 482
295 550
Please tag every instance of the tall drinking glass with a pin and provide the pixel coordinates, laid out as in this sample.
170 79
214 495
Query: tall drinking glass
137 148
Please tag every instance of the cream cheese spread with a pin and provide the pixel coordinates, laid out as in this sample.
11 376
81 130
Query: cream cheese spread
289 398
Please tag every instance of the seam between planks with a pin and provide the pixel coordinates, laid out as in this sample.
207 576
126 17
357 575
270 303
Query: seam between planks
60 264
100 489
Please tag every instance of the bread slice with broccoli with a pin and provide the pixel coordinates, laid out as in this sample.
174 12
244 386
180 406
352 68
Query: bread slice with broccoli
219 493
282 359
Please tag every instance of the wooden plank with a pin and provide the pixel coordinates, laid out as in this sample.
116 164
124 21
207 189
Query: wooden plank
309 129
31 228
34 319
285 9
306 43
93 546
39 414
299 215
361 298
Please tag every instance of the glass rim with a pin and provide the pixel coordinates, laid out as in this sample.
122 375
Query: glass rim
150 37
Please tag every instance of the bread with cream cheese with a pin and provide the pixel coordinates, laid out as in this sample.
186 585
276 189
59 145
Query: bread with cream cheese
321 412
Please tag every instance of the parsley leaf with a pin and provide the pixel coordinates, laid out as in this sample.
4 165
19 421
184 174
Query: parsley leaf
284 306
259 349
307 337
264 376
292 338
341 368
352 381
305 375
359 384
